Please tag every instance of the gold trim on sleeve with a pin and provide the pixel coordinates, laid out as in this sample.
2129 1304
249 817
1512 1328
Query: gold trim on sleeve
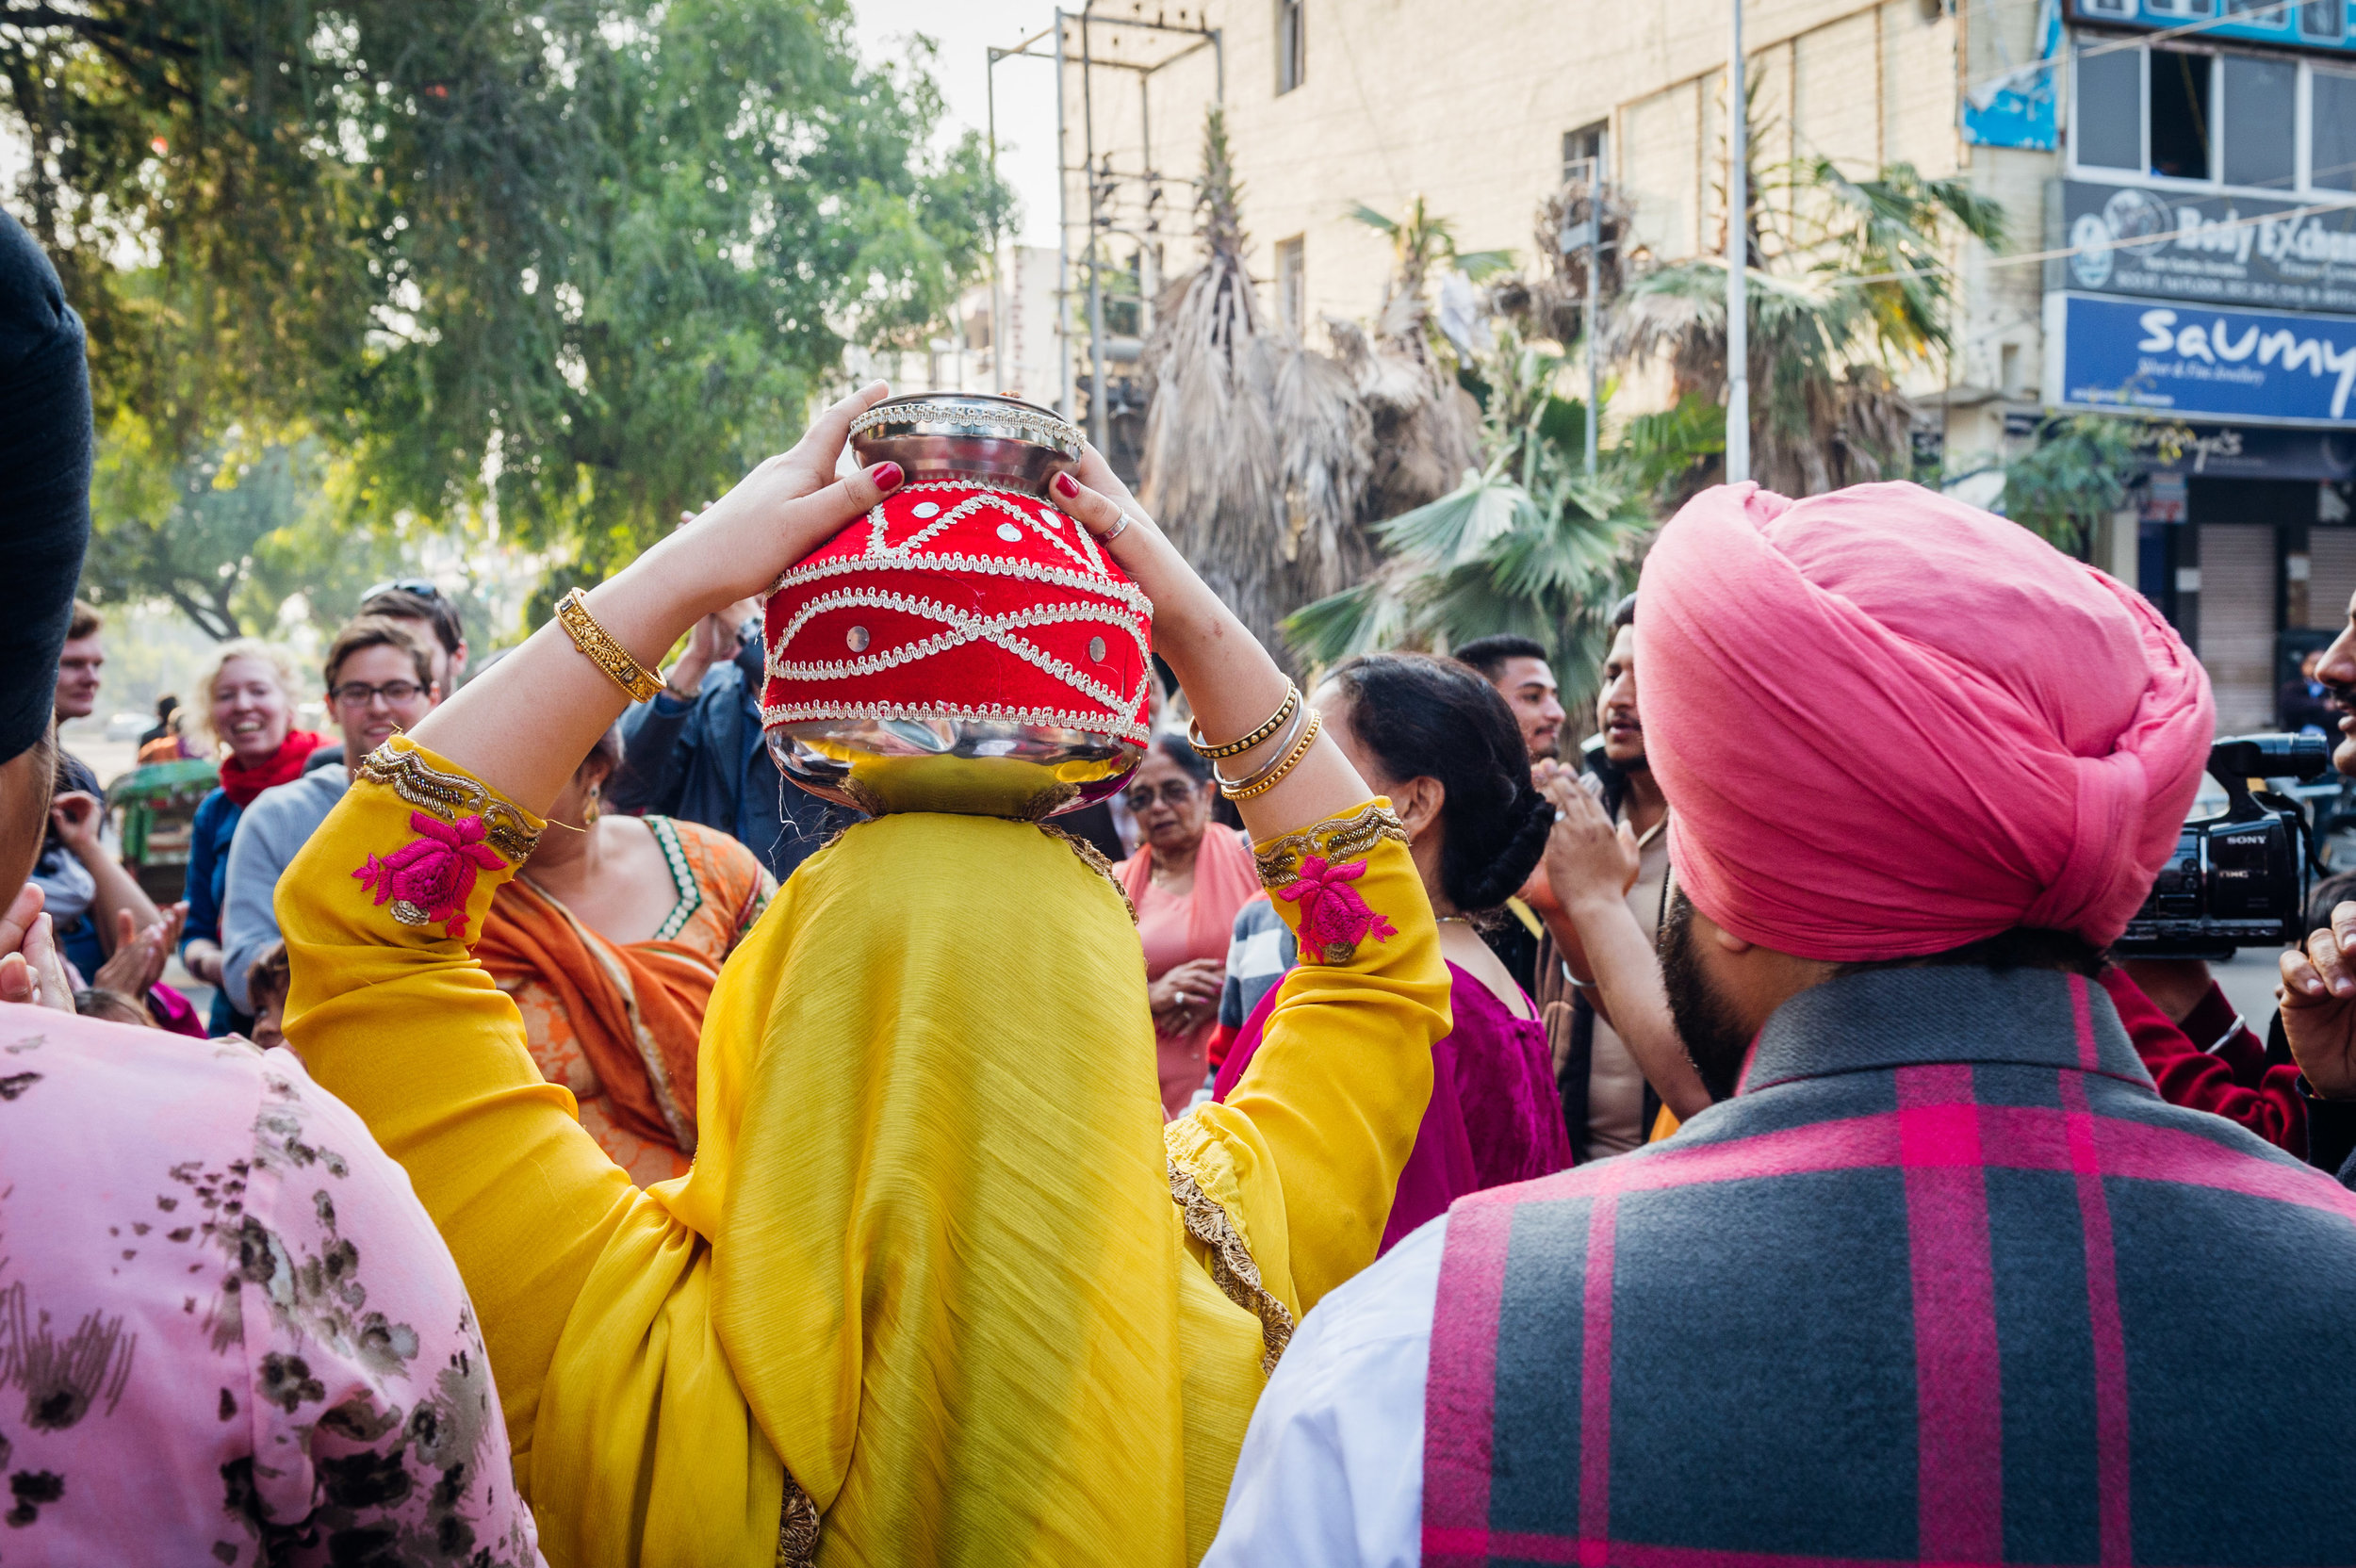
450 796
1337 840
1232 1269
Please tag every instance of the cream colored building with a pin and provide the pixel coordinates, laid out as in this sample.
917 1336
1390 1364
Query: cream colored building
1482 111
2172 127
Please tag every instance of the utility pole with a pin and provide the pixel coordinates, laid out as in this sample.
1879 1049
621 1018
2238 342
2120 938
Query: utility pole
1738 262
997 311
1099 426
1063 237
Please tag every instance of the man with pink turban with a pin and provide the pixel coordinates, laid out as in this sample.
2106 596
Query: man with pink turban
1941 1278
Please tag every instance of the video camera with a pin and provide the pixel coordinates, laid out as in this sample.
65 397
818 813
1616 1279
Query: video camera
2240 879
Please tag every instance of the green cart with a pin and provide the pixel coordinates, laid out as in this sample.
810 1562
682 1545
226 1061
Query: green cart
158 804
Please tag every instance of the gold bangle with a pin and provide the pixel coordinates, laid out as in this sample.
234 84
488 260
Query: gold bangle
603 651
1283 744
1236 748
1299 750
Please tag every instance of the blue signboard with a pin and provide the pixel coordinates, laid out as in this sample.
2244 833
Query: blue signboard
2242 366
2285 23
2017 109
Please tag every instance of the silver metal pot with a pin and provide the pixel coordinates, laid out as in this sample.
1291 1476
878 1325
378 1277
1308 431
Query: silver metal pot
968 436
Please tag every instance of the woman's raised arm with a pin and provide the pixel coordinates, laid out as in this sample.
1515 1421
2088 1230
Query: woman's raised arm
524 724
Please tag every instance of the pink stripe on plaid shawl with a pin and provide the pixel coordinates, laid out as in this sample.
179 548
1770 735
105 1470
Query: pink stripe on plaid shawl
1460 1389
1958 1379
2112 1456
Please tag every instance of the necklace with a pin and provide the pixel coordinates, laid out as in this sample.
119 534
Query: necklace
1460 920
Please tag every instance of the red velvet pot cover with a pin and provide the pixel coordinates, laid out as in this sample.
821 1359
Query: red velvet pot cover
957 599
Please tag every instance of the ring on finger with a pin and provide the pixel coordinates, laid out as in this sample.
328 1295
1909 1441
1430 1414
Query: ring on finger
1117 529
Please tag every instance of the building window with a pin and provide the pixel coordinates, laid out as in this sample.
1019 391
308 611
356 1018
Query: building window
2214 116
2333 156
1292 284
1291 65
1583 153
2110 109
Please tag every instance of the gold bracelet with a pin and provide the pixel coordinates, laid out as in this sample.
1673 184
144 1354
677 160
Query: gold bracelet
1299 750
603 651
1275 758
1236 748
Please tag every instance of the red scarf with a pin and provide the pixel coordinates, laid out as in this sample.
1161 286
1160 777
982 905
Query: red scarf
241 783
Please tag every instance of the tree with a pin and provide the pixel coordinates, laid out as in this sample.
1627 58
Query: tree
1848 289
585 259
1529 543
2073 477
215 538
1255 447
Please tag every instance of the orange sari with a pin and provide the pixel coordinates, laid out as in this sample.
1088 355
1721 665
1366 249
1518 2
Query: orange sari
617 1025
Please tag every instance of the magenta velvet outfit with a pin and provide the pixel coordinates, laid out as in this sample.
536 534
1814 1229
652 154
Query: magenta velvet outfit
1495 1115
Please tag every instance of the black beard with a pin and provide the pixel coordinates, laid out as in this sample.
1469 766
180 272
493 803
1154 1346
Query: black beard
1714 1038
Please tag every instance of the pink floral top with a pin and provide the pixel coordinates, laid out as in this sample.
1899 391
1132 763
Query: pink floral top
228 1332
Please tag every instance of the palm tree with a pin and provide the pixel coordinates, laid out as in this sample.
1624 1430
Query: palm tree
1255 448
1426 427
1848 289
1528 543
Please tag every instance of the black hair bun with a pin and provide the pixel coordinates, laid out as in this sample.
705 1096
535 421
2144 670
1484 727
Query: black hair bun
1514 863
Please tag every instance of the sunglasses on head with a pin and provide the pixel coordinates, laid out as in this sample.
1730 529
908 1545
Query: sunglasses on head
422 587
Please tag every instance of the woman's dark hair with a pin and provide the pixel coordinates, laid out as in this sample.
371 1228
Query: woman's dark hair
1180 751
1438 718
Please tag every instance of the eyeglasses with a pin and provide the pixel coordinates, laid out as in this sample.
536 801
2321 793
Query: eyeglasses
359 693
1177 792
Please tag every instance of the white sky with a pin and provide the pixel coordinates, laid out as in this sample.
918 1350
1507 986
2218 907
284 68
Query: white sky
1026 88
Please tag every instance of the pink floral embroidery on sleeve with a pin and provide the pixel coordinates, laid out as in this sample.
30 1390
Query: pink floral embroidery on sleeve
1334 919
432 877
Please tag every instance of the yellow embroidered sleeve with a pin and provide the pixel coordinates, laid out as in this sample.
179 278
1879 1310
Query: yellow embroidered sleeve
1304 1157
390 1011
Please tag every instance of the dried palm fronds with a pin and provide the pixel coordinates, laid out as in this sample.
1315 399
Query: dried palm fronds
1256 450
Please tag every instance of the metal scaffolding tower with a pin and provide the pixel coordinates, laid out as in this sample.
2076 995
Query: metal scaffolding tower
1127 203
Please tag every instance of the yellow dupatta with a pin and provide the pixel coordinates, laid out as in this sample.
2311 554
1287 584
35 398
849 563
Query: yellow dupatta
960 1344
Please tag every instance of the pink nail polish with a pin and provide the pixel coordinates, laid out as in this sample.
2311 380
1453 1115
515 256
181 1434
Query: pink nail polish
1066 486
887 476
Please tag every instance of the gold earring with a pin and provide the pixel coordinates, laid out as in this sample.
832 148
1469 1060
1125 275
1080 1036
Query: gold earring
589 813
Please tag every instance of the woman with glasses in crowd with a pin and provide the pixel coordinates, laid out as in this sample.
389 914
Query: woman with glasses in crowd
1186 882
246 697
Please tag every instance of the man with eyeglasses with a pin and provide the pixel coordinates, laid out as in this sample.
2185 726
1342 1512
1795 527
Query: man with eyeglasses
431 618
380 680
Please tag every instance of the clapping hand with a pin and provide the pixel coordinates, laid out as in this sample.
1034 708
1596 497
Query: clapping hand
76 816
1184 993
139 959
32 971
1587 859
2318 996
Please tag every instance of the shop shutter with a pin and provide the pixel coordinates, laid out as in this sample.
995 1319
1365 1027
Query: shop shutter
2237 623
2331 562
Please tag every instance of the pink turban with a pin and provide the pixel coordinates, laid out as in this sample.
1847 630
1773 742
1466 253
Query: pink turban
1889 723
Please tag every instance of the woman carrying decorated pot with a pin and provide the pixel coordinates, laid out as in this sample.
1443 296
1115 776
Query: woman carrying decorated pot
941 1282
